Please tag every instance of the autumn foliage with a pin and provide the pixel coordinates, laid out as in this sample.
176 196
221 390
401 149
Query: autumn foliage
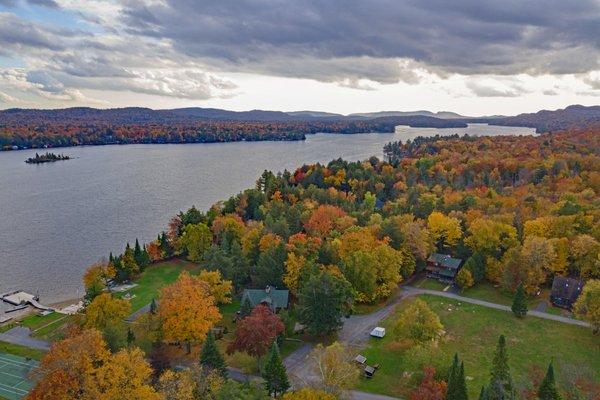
255 333
187 310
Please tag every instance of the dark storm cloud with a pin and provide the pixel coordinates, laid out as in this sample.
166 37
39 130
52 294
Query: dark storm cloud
468 36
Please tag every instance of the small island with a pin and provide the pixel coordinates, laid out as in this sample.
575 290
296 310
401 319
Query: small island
48 157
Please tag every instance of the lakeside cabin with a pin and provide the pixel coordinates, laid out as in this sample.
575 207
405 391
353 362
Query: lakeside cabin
442 267
565 291
275 299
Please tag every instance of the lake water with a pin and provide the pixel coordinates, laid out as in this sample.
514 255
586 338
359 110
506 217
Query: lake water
58 218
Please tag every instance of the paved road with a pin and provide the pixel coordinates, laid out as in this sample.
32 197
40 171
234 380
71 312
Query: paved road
136 314
414 291
22 336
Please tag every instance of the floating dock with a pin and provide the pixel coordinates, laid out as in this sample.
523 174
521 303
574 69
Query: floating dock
18 298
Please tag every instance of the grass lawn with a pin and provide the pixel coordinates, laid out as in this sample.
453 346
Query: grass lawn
487 292
50 327
155 277
430 284
472 331
21 351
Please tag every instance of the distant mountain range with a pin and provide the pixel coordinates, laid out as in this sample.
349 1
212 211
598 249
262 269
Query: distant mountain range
439 114
572 117
82 125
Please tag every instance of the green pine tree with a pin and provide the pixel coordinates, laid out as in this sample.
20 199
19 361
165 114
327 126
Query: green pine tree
210 356
548 390
246 308
276 380
165 245
496 391
153 306
460 392
500 370
483 395
519 305
130 337
451 388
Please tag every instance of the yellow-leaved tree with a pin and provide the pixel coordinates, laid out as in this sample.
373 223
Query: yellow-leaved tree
105 310
587 305
445 231
335 367
219 288
187 310
127 375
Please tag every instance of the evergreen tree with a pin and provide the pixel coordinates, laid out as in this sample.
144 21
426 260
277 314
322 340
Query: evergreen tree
276 380
496 391
548 390
137 252
153 306
457 386
165 245
519 305
322 303
500 369
483 394
246 308
130 337
460 391
211 357
452 381
140 255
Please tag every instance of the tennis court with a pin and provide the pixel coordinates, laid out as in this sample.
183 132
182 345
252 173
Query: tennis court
14 382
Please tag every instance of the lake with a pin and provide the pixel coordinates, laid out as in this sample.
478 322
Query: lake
58 218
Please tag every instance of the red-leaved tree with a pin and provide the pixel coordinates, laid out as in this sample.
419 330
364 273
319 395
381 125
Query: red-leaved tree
430 388
255 333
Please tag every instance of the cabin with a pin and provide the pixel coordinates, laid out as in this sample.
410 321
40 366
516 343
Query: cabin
442 267
275 299
565 291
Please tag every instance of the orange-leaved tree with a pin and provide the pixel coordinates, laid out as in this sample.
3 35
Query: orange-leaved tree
187 310
64 371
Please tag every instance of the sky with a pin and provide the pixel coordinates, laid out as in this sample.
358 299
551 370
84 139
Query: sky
474 57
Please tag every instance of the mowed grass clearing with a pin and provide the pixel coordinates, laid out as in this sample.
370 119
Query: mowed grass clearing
154 278
472 331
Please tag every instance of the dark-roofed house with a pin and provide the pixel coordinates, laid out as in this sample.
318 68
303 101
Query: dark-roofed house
442 267
275 299
565 291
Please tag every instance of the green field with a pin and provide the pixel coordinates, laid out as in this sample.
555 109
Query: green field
153 279
487 292
472 331
21 351
48 327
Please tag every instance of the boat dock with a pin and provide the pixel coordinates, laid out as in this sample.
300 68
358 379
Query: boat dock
19 298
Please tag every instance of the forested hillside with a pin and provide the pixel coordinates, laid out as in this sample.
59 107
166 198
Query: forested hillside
518 209
88 126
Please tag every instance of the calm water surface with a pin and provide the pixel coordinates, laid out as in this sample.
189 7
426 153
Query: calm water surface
57 218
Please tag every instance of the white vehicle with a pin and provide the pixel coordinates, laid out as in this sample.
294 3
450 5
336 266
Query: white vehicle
378 332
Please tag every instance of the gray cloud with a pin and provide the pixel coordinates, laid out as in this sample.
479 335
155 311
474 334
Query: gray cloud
468 37
44 3
18 34
486 90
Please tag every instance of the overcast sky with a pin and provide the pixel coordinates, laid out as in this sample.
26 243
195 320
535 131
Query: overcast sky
475 57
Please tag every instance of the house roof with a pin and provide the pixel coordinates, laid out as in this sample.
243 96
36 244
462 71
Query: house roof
445 260
566 288
276 298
